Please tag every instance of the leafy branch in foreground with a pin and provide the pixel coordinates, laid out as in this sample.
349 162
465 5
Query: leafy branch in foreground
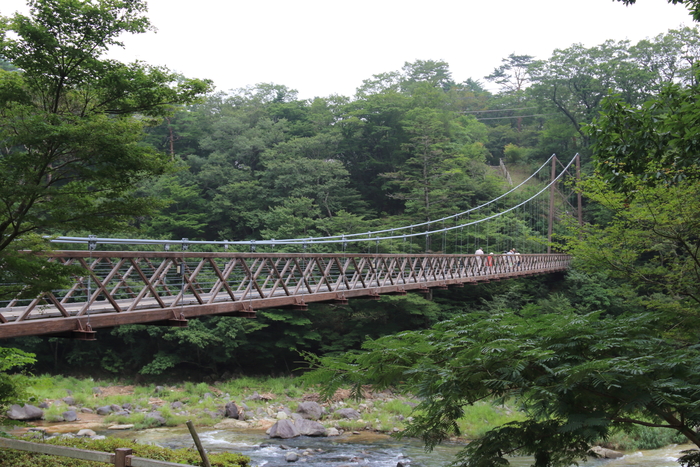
577 379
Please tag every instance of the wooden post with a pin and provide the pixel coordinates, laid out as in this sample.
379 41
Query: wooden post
198 443
121 455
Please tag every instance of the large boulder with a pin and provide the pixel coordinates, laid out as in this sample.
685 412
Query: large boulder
28 412
352 414
310 428
232 410
156 416
284 429
104 410
310 410
605 453
69 416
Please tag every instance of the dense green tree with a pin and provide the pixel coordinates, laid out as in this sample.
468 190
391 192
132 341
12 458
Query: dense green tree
12 387
71 122
692 5
654 143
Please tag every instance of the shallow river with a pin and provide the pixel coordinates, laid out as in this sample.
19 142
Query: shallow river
365 449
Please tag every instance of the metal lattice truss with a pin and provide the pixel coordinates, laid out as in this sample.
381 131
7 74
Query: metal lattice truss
168 288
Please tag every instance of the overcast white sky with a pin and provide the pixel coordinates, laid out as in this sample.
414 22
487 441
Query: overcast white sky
323 47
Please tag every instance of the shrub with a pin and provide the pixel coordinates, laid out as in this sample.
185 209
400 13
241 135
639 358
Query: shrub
184 456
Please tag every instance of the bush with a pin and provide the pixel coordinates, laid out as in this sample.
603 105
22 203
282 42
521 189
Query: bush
184 456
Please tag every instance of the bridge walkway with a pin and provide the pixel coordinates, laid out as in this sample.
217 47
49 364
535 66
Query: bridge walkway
168 288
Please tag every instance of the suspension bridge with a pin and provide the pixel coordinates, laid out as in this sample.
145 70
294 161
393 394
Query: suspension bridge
161 282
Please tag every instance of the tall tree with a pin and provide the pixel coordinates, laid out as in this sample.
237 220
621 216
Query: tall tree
71 121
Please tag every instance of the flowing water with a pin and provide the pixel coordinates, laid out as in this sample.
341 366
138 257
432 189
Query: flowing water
365 449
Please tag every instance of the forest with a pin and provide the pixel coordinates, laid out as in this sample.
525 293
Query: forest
93 146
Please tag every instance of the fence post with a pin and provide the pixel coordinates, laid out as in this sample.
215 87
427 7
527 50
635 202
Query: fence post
121 455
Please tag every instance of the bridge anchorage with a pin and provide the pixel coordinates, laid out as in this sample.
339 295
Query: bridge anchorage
170 287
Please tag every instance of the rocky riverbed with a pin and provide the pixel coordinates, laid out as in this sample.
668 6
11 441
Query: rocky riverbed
279 416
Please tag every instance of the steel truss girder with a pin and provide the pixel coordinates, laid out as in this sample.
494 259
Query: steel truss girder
120 288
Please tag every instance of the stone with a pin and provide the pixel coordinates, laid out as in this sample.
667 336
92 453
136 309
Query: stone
156 416
87 410
207 395
605 453
351 414
254 397
69 416
28 412
115 407
281 415
284 429
159 389
127 406
120 427
291 456
69 400
86 432
310 427
44 405
176 405
232 410
104 410
310 410
96 390
333 432
229 423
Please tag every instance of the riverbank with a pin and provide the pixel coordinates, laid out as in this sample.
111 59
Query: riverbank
71 404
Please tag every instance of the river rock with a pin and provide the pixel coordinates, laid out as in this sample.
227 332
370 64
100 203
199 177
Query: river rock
231 410
69 416
176 405
310 410
104 410
229 423
291 457
352 414
284 429
281 415
86 433
605 453
120 427
156 416
254 397
87 410
44 405
115 407
310 427
28 412
70 400
97 390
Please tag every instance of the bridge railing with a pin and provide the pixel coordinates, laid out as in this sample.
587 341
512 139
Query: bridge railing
170 287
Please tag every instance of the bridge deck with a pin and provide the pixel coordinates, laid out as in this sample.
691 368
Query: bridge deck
169 287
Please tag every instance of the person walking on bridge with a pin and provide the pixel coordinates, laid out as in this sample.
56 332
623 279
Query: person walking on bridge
479 253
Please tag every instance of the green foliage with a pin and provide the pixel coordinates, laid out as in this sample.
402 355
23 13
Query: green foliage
71 125
576 377
656 142
109 445
13 387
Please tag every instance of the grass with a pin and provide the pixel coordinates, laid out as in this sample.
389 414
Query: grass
201 399
384 415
